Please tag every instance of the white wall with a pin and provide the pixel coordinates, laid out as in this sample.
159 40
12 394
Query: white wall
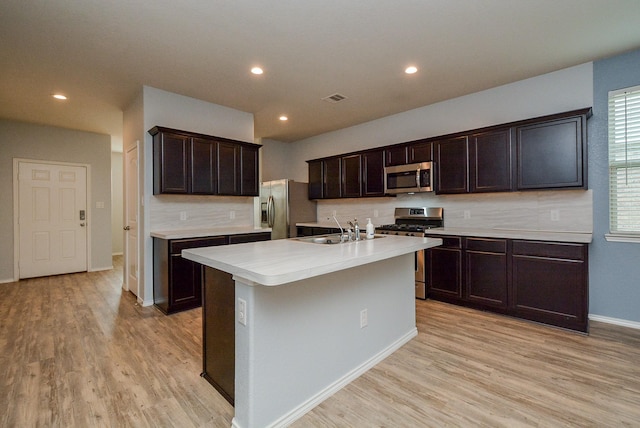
556 92
116 203
155 107
49 143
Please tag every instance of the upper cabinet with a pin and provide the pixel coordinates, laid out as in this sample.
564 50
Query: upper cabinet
196 164
491 161
547 152
552 153
452 165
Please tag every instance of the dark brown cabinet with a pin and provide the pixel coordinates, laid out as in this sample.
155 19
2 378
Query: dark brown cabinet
552 153
452 165
550 283
316 179
396 155
373 173
190 163
176 281
486 274
351 176
332 176
420 152
444 269
540 281
490 161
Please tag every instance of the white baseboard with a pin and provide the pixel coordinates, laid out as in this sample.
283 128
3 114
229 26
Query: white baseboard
144 302
6 281
302 409
615 321
98 269
117 254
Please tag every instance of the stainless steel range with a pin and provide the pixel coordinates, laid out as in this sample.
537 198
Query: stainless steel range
415 222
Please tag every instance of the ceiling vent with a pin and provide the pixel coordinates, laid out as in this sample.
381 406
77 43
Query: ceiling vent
335 98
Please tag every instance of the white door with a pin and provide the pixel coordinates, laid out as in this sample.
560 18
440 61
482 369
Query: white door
52 220
131 220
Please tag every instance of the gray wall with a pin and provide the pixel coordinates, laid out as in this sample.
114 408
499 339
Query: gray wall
30 141
614 266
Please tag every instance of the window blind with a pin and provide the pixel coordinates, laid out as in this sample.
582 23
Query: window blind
624 161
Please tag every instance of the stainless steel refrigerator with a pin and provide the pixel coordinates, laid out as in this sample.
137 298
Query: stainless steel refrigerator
283 203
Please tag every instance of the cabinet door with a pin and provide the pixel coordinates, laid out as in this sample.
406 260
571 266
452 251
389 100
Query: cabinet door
185 283
490 161
249 171
396 155
204 177
171 166
351 176
550 283
249 237
420 152
452 165
552 154
373 173
316 174
443 267
228 168
332 187
486 276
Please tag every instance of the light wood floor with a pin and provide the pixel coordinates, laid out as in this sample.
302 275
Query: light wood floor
77 351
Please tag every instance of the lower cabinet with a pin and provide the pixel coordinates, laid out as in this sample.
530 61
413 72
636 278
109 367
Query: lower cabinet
550 283
313 231
540 281
218 331
177 282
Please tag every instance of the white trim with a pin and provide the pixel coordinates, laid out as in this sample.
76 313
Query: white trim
98 269
117 254
623 90
16 211
615 321
299 411
615 237
7 281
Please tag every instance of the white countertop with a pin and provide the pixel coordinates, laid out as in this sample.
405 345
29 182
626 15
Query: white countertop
201 233
536 235
286 260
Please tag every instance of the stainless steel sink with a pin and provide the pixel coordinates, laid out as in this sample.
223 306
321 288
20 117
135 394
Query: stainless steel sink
328 239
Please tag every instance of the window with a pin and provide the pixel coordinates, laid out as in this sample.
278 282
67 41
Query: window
624 163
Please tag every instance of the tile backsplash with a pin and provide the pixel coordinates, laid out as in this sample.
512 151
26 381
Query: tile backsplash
550 210
177 212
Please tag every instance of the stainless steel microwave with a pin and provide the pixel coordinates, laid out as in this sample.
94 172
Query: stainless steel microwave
411 178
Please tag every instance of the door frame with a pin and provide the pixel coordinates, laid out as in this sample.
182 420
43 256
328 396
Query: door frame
125 206
16 209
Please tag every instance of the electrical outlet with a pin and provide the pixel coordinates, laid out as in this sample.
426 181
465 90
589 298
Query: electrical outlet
232 215
100 204
375 213
364 318
242 311
555 215
333 213
183 215
467 214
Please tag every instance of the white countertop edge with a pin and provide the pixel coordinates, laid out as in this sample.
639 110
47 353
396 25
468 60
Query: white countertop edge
325 262
204 232
537 235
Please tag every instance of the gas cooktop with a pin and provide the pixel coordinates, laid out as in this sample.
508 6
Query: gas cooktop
413 221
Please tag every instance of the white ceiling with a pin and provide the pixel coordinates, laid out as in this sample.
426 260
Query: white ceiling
100 53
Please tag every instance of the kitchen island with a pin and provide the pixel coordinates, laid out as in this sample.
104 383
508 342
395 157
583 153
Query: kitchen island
310 318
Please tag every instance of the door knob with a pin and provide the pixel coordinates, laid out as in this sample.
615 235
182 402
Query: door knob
81 224
126 228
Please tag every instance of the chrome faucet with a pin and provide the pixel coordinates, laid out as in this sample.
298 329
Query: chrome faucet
341 229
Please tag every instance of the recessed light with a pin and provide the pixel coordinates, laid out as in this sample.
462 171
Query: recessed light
257 70
411 70
59 97
283 118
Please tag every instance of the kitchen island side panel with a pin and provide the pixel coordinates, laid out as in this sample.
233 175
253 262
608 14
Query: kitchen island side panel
303 341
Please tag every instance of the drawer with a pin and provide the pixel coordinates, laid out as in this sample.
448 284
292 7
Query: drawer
448 241
549 249
176 246
486 245
249 237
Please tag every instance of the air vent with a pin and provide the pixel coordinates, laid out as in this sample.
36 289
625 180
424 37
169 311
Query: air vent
335 98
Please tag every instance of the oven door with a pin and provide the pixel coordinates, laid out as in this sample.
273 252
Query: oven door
421 292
